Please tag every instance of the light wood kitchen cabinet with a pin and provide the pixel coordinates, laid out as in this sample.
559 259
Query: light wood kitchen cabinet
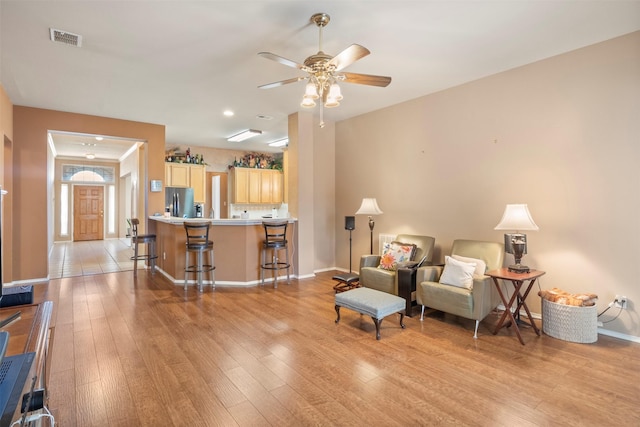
257 186
197 181
176 174
271 186
277 184
240 185
187 175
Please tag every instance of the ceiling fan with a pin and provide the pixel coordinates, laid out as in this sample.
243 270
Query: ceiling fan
325 71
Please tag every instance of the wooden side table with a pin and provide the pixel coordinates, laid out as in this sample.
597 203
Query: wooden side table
407 285
519 281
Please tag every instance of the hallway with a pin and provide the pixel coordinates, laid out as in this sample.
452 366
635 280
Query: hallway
70 259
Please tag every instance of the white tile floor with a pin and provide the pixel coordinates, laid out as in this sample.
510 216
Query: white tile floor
69 259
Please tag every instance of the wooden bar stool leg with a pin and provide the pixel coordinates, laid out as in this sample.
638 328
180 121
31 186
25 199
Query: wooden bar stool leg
152 256
200 268
262 265
186 267
135 258
274 260
212 271
286 250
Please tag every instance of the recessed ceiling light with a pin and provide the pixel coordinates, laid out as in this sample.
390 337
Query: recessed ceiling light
90 156
228 113
249 133
99 138
264 117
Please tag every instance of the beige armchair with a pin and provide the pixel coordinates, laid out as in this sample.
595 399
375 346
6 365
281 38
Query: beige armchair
387 280
475 303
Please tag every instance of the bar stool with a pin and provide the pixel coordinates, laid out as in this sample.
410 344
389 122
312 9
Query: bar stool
276 240
198 242
149 240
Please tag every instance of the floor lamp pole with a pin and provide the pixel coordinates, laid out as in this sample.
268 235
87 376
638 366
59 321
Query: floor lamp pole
350 270
371 225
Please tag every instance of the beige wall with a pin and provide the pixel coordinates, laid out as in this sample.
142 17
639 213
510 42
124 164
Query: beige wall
6 115
324 189
6 180
310 189
561 135
31 183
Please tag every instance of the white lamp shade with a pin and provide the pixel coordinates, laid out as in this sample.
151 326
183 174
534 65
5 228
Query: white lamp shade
307 102
311 91
331 102
369 207
334 92
517 218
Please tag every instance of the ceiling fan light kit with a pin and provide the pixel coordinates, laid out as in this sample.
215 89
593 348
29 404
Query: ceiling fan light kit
324 72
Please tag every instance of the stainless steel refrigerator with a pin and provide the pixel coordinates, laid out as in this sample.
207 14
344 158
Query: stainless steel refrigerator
179 200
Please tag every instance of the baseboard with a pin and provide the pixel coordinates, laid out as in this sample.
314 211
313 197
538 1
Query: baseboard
602 331
619 335
251 283
27 282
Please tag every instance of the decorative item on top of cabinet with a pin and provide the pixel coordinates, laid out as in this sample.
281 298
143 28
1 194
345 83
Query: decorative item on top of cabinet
174 156
259 186
257 161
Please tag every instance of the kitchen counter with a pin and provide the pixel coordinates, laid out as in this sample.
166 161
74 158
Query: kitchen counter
237 245
225 221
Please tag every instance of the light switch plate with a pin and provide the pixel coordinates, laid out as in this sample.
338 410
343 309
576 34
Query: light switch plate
156 185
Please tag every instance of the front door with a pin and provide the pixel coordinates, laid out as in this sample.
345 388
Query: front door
88 213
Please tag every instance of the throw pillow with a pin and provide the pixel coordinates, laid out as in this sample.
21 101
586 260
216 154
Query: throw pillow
481 266
411 246
395 252
457 273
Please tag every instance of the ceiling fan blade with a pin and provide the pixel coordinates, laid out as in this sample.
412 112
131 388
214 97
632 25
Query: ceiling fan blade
281 83
366 79
280 59
348 56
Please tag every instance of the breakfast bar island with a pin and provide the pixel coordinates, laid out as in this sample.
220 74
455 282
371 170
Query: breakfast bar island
237 246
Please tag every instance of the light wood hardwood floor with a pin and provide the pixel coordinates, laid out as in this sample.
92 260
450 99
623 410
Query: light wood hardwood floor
143 352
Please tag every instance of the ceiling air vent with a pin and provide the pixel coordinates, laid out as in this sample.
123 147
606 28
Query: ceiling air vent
65 37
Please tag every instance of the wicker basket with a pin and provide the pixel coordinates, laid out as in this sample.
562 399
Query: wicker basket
570 323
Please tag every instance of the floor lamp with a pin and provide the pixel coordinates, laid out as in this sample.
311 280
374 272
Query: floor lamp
369 207
349 280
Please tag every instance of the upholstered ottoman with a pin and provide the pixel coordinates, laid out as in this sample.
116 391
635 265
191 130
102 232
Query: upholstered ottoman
371 302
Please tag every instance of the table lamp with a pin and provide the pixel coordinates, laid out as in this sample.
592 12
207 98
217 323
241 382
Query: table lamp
516 217
369 207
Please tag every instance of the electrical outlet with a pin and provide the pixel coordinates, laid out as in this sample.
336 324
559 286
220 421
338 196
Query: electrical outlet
620 302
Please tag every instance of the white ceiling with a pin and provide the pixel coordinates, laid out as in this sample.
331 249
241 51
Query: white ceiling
105 148
182 63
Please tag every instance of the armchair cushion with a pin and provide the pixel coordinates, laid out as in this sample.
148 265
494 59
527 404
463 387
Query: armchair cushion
457 273
394 253
474 303
386 280
481 266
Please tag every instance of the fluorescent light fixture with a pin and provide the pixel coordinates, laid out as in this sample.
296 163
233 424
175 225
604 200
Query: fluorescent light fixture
279 143
249 133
